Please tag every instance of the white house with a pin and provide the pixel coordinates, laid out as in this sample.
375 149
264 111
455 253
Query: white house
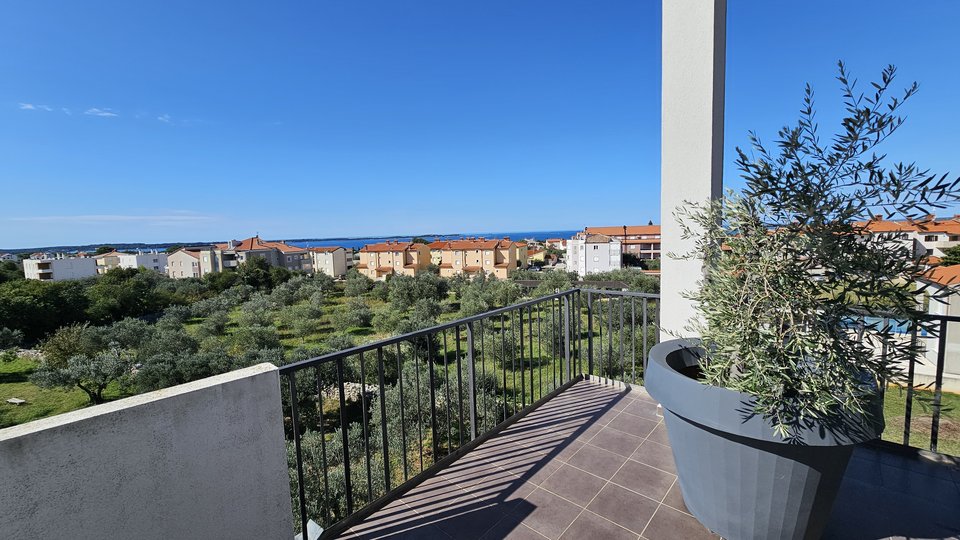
184 263
59 269
8 257
151 261
593 253
942 281
331 260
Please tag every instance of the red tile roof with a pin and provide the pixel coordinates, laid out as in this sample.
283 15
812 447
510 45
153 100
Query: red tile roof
929 224
386 247
618 231
946 276
324 249
255 243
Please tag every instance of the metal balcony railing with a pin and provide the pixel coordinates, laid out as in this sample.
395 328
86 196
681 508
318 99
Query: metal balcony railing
365 424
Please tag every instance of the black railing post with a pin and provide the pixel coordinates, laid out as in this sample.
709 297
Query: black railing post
908 406
566 335
383 419
295 424
938 384
471 383
344 439
590 333
433 401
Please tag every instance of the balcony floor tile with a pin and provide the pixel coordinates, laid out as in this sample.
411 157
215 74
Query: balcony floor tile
595 462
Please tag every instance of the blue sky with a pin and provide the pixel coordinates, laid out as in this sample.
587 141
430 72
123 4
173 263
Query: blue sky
178 121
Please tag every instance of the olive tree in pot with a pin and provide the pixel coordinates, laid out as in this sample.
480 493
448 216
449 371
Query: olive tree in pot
763 409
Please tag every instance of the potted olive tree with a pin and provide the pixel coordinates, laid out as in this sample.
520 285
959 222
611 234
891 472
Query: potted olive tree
763 409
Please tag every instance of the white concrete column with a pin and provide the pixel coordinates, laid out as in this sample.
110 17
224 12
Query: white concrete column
693 49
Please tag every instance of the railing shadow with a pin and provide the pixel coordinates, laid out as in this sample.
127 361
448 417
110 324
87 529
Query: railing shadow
481 495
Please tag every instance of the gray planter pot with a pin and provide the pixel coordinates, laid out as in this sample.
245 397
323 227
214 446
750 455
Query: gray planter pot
737 477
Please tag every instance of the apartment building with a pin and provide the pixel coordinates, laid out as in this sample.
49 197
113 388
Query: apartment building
185 263
642 241
107 261
555 243
151 261
199 261
436 251
59 269
473 256
235 252
931 233
590 253
377 261
331 260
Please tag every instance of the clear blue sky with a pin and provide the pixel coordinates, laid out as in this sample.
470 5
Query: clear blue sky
174 120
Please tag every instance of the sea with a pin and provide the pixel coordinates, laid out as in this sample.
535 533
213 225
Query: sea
357 243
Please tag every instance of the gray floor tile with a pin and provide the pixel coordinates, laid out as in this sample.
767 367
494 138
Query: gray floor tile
574 485
617 442
644 479
597 460
548 514
624 507
655 455
670 524
590 525
632 424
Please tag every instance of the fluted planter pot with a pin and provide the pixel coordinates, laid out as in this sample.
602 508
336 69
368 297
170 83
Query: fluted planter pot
737 476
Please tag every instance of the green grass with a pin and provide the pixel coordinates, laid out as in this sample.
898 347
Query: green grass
41 402
948 436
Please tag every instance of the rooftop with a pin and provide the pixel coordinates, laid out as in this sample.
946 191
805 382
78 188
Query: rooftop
621 230
595 461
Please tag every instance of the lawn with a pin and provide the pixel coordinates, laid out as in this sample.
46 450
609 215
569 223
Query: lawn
15 383
948 437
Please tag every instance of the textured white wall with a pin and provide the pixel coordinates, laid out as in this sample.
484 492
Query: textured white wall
693 48
200 460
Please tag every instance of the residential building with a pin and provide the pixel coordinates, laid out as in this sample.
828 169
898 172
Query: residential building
590 253
932 233
151 261
942 282
107 261
234 252
473 256
59 269
228 255
331 260
555 243
4 257
377 261
642 241
185 263
436 251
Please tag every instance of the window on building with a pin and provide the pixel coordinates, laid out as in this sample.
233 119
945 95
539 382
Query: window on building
930 238
596 248
955 238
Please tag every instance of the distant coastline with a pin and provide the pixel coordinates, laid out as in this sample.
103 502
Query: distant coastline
347 242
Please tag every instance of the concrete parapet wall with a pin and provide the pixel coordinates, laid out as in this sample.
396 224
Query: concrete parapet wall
200 460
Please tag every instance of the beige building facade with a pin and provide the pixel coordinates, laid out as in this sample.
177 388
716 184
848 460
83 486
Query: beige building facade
377 261
481 256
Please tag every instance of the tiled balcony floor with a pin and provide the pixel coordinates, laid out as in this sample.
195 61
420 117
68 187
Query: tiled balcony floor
595 462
